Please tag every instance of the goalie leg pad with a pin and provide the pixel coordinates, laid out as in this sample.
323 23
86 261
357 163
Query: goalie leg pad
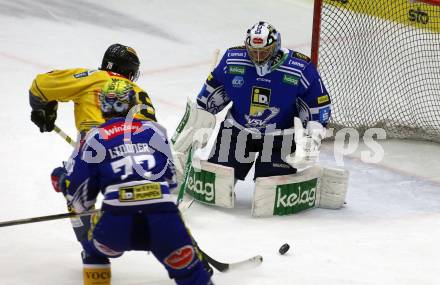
286 194
333 188
196 125
211 183
289 194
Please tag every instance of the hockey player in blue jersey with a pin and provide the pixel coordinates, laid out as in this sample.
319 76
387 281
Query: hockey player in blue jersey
129 163
275 92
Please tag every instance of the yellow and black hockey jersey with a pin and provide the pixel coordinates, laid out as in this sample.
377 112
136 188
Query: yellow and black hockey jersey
82 86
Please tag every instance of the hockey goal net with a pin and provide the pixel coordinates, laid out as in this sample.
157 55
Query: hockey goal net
380 60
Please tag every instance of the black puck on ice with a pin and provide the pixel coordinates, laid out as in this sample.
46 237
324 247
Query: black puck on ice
284 248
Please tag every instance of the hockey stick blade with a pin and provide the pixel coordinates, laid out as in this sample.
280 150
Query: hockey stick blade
247 264
185 205
244 264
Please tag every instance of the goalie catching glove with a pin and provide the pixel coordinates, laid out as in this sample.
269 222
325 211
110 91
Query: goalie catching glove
307 143
195 128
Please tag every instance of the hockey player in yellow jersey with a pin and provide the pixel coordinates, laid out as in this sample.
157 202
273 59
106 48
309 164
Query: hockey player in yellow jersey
81 86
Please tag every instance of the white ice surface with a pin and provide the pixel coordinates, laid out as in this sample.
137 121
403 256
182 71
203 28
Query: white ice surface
387 234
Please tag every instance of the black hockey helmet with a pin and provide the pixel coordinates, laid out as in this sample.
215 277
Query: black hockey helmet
121 59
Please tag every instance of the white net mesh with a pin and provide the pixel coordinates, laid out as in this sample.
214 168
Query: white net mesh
380 61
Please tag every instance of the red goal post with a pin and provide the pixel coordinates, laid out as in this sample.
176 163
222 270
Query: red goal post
430 2
380 61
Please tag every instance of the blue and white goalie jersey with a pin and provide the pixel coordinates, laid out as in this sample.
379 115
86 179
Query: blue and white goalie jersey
292 89
129 164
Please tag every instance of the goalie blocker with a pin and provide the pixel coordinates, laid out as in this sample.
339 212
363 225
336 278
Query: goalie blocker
315 187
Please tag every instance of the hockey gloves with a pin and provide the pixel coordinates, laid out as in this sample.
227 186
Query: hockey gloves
307 143
58 179
45 117
171 177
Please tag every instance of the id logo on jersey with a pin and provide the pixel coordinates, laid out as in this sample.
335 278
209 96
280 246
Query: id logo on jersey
260 113
260 99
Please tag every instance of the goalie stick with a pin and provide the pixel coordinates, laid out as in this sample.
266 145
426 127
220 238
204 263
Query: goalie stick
184 206
220 266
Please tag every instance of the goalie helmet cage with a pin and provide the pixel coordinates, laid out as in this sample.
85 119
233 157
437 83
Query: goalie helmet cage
380 61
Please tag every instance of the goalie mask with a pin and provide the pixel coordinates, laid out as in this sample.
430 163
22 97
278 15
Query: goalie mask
262 44
116 98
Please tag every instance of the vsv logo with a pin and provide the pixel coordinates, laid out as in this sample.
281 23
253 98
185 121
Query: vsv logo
260 119
293 198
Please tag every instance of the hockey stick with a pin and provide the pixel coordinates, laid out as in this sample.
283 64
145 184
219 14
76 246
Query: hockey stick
64 136
215 58
220 266
184 206
225 267
46 218
184 179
